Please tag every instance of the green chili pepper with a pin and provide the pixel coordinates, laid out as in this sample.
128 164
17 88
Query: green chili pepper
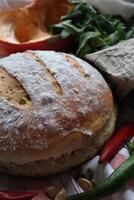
111 184
130 147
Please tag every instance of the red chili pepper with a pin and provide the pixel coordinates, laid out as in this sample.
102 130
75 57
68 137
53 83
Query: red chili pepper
114 144
8 195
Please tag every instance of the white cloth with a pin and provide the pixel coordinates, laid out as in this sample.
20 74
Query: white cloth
127 193
5 4
125 8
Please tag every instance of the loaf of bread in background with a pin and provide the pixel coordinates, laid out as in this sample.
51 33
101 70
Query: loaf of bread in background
56 111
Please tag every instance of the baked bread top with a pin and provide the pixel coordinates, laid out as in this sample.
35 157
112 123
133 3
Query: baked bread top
48 102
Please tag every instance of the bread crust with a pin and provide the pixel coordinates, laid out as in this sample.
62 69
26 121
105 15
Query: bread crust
52 165
66 102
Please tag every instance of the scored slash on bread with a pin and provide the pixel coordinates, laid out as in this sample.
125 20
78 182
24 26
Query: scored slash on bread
47 71
56 111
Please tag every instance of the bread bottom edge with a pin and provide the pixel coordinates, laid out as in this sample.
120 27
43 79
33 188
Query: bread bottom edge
64 162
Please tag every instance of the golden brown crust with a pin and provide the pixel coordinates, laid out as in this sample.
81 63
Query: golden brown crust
66 95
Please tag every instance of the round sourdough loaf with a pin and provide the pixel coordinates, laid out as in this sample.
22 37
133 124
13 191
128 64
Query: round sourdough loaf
56 111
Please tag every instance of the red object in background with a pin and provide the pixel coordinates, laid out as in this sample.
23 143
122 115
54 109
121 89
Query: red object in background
29 26
114 144
53 43
9 195
41 196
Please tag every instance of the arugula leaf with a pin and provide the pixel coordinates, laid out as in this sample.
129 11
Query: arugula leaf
85 39
130 34
92 30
